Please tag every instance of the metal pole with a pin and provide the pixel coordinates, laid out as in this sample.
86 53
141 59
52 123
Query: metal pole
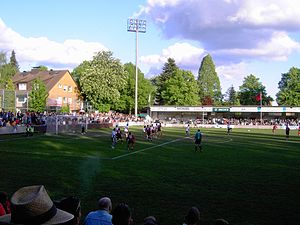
261 121
3 99
136 25
136 68
15 101
27 101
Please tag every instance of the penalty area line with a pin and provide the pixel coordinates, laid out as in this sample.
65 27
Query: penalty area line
142 150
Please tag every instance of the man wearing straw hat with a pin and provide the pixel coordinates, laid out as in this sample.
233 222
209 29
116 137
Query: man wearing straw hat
32 205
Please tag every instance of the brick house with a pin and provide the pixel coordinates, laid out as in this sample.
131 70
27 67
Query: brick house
61 87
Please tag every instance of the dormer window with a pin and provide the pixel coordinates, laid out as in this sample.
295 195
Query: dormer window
22 86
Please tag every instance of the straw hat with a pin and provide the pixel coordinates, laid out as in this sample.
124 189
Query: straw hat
32 205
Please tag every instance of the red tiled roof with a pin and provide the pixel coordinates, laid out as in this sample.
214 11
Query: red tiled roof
50 78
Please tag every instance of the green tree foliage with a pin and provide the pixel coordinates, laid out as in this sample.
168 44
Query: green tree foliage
65 109
289 88
145 89
7 71
169 69
102 80
42 68
231 97
79 70
181 89
13 61
9 101
38 96
250 88
208 81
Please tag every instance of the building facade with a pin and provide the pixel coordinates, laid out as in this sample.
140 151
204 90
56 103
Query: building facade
61 87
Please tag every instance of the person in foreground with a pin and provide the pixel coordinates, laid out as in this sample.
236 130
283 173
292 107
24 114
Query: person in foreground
32 205
221 222
150 220
102 215
121 215
70 205
192 217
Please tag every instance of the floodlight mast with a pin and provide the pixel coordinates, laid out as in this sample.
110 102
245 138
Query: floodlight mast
136 25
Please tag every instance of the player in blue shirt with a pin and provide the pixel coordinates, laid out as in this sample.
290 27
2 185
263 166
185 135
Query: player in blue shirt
198 140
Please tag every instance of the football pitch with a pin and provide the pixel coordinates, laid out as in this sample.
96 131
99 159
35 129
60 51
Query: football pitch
247 177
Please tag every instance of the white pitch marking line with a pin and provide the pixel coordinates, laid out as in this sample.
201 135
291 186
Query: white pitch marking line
155 146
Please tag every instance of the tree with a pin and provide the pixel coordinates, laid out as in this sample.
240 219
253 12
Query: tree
208 81
181 89
169 69
289 88
65 109
42 68
231 96
13 61
38 96
79 70
7 71
102 80
145 89
250 88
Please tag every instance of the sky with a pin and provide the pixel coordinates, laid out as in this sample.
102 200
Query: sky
243 36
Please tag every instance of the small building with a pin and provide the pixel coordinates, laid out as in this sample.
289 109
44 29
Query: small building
61 87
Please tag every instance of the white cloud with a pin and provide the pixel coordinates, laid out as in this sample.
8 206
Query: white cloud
41 50
278 48
272 13
232 72
248 28
184 54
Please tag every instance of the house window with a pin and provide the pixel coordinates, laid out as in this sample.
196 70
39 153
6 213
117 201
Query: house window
59 100
22 99
59 85
64 99
70 89
65 88
22 86
69 101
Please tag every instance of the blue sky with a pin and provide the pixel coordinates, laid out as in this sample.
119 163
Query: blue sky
243 36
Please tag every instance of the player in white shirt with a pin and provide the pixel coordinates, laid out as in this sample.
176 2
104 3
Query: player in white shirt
187 130
113 138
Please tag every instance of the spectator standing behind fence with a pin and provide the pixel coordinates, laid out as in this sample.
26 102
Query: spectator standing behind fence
102 215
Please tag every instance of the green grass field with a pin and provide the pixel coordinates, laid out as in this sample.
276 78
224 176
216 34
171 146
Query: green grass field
248 177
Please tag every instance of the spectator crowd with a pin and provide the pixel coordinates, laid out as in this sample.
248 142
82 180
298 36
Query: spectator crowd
31 205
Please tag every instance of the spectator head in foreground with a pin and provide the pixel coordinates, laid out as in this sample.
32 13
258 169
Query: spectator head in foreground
221 222
32 205
71 205
150 220
193 216
105 204
121 215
